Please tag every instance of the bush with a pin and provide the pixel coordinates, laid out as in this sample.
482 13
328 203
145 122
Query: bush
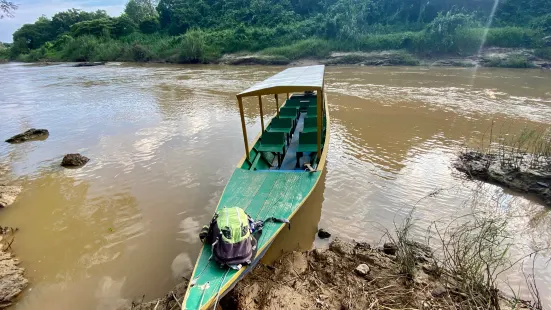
111 50
140 53
468 40
542 23
315 48
4 53
544 53
440 33
392 41
513 61
80 49
194 48
510 37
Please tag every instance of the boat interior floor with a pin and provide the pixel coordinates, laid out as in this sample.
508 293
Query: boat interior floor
290 159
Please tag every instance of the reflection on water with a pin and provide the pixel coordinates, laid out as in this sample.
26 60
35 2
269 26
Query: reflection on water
164 140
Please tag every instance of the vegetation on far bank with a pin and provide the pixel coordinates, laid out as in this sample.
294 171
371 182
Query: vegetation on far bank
185 31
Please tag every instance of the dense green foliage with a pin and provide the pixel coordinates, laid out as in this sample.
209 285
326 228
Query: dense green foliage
191 31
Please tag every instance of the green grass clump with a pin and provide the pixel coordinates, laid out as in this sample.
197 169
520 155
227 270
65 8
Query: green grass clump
315 48
544 53
513 61
511 37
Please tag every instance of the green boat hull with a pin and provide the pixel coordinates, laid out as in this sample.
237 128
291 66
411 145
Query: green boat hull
262 194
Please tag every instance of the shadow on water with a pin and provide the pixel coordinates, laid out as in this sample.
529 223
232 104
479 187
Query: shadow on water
304 226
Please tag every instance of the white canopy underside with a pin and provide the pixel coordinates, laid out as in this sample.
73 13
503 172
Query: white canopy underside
292 79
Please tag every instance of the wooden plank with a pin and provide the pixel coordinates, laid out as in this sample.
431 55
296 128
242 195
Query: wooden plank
261 113
243 127
277 105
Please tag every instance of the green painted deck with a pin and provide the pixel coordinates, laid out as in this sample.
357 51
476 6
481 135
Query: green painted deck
262 194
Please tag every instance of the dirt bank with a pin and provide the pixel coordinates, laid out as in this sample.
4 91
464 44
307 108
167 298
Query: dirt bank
492 168
489 57
347 275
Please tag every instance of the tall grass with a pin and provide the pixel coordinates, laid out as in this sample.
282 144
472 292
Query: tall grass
512 61
315 48
544 53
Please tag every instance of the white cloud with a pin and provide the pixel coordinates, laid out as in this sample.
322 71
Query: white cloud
29 12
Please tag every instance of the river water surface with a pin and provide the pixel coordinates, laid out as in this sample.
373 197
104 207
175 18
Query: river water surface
163 141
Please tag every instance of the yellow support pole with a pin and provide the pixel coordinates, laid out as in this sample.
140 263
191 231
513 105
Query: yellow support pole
261 113
287 96
240 102
277 105
320 120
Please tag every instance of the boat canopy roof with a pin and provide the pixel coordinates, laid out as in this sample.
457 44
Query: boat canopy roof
290 80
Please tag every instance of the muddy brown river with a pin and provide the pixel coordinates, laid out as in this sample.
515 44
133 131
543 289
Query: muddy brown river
163 141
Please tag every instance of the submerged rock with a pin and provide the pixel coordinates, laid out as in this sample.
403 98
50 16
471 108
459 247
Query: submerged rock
30 134
89 64
323 234
231 59
8 194
74 160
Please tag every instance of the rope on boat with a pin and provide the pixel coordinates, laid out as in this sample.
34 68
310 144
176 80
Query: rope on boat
219 288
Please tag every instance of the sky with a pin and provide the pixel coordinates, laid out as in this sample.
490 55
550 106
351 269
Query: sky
29 11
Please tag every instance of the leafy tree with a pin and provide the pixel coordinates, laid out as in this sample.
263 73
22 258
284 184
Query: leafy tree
180 15
32 36
543 23
150 25
7 8
122 26
140 10
96 27
62 21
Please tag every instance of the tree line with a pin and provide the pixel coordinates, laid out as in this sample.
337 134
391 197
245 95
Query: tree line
202 30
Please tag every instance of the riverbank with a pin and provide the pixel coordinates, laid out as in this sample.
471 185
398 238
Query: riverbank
488 57
350 275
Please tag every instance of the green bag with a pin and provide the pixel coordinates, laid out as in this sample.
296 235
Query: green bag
231 238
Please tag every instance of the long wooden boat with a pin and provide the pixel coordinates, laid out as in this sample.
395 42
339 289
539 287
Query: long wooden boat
275 176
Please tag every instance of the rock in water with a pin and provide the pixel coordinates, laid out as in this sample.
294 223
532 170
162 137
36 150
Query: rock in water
74 160
323 234
29 135
12 281
362 269
8 195
390 248
89 64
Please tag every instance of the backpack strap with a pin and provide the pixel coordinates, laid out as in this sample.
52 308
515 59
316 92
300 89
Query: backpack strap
274 220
